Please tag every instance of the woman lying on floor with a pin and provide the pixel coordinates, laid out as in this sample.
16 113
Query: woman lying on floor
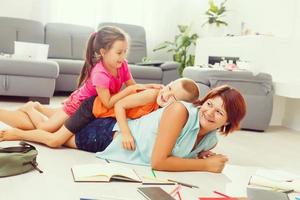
170 138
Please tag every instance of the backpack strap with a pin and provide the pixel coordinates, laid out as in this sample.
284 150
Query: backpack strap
24 148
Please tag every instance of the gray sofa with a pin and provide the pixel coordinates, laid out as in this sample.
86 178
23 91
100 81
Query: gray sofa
39 79
256 89
66 47
18 77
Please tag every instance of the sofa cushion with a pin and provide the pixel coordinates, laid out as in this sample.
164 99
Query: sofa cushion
146 72
7 37
67 66
14 29
138 48
30 68
67 40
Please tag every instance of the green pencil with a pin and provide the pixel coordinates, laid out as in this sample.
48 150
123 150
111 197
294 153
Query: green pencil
153 173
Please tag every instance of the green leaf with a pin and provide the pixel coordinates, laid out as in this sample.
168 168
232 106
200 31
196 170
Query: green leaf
182 28
182 42
163 45
219 22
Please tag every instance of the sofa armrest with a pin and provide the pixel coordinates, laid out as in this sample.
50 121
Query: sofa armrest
169 65
252 85
26 67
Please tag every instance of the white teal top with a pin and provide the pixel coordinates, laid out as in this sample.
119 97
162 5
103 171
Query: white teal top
144 131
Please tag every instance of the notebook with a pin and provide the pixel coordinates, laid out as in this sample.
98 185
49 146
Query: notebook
104 173
34 51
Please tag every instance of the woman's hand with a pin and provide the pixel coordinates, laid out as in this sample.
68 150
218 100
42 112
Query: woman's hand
215 163
205 154
128 142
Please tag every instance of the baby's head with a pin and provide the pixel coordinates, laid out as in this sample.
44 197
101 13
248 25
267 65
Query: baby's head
182 89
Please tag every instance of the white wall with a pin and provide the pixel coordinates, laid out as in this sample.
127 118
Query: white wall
268 16
27 9
280 18
160 18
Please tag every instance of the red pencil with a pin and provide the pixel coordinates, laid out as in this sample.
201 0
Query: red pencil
178 193
224 195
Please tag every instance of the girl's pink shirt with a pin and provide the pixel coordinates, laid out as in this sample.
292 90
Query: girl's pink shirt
100 77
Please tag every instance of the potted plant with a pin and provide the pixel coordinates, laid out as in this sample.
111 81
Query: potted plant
180 47
215 14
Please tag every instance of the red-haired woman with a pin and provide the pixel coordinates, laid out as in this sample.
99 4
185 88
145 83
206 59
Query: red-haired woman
171 138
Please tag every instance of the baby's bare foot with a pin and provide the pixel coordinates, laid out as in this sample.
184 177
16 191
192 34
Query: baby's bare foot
10 134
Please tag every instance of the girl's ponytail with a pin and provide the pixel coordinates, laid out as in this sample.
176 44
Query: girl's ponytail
89 61
104 38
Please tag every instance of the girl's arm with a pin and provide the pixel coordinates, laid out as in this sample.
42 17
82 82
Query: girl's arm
173 120
130 82
109 100
132 101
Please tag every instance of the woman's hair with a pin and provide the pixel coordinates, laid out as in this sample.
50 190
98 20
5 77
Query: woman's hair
234 104
104 38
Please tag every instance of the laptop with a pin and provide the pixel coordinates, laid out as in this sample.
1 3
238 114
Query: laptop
28 50
264 194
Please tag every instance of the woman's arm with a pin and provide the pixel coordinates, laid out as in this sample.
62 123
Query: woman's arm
139 99
173 120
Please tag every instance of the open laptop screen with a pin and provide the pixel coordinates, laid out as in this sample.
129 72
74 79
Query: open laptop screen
27 50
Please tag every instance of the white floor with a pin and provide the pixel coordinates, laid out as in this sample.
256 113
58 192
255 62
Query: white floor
277 148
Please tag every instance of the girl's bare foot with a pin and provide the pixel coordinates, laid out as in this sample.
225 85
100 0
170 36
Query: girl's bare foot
10 134
28 106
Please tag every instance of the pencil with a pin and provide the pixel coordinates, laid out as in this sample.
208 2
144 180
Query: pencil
162 181
288 191
179 196
224 195
183 184
153 173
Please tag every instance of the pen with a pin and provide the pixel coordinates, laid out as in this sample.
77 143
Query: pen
183 184
107 160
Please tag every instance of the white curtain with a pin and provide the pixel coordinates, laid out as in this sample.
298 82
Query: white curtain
159 18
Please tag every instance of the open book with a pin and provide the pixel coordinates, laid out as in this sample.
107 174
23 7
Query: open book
103 173
276 179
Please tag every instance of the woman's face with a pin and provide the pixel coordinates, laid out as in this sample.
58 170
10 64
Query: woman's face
212 114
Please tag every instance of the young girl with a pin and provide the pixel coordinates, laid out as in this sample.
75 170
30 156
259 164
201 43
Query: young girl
104 71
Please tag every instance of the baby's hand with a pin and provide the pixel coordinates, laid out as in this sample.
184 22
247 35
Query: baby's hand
128 142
